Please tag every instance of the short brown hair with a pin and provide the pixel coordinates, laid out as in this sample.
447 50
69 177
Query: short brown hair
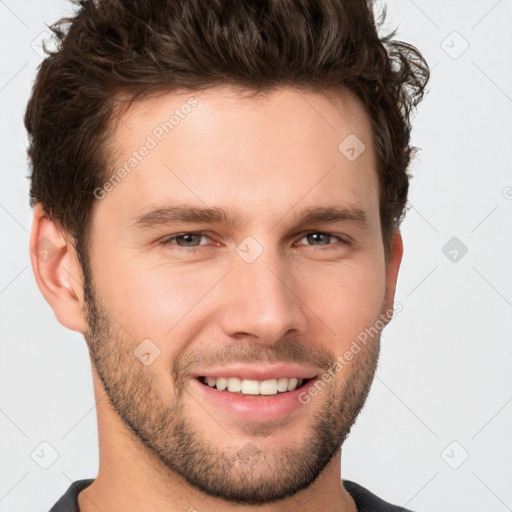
134 48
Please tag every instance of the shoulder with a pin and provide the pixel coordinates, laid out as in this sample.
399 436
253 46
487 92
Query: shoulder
69 500
366 501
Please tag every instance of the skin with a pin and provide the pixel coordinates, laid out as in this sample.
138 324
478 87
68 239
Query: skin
162 446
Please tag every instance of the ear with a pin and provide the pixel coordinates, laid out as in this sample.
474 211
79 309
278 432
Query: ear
57 271
396 251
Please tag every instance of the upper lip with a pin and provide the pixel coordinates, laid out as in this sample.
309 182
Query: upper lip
260 372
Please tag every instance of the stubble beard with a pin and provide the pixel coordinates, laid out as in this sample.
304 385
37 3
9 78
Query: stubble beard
245 472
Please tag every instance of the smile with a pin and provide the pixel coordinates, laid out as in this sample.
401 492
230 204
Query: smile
254 387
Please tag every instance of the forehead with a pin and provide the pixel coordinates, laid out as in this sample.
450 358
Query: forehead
287 111
222 146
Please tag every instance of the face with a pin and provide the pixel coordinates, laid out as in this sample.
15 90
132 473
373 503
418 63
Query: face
203 264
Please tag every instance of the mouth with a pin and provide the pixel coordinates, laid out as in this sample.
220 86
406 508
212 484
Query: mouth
251 400
254 388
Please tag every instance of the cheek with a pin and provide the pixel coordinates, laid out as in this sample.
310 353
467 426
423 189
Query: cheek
348 299
163 302
155 301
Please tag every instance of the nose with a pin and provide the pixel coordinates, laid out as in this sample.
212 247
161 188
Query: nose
261 302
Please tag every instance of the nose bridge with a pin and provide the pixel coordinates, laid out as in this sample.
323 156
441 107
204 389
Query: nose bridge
261 302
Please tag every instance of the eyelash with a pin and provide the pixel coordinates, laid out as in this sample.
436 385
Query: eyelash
168 241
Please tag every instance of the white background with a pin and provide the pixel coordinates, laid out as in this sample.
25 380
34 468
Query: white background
445 373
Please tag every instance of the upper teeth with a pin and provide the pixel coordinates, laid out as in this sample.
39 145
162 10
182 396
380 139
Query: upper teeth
253 387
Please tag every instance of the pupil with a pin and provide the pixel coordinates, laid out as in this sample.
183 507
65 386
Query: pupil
188 237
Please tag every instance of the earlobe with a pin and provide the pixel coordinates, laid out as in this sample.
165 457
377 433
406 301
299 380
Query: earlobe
57 271
393 265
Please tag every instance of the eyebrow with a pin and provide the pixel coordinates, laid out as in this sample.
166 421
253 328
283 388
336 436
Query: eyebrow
188 214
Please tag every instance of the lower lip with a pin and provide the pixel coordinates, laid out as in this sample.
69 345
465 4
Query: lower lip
255 408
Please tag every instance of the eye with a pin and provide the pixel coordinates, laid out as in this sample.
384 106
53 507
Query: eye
318 238
185 240
190 241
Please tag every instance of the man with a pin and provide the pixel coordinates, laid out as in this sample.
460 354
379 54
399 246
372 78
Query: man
218 189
